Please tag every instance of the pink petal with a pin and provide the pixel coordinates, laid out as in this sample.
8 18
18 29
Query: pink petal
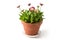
32 8
41 4
29 4
18 6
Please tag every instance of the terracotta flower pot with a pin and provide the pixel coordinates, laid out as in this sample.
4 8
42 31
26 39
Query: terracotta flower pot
31 29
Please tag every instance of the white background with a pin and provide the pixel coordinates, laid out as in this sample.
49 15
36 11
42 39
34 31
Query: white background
12 29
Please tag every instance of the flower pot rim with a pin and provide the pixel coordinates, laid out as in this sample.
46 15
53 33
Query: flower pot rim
32 23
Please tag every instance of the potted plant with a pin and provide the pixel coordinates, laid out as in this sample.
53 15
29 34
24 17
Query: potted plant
31 19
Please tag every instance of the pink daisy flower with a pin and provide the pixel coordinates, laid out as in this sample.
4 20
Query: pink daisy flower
32 8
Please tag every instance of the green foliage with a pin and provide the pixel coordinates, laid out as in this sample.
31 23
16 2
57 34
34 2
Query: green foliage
31 17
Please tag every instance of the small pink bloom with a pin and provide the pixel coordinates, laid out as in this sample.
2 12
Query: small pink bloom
41 4
18 6
29 4
32 8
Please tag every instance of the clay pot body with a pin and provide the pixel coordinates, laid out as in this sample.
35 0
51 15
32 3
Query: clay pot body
31 29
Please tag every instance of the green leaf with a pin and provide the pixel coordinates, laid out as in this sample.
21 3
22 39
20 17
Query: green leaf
31 17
